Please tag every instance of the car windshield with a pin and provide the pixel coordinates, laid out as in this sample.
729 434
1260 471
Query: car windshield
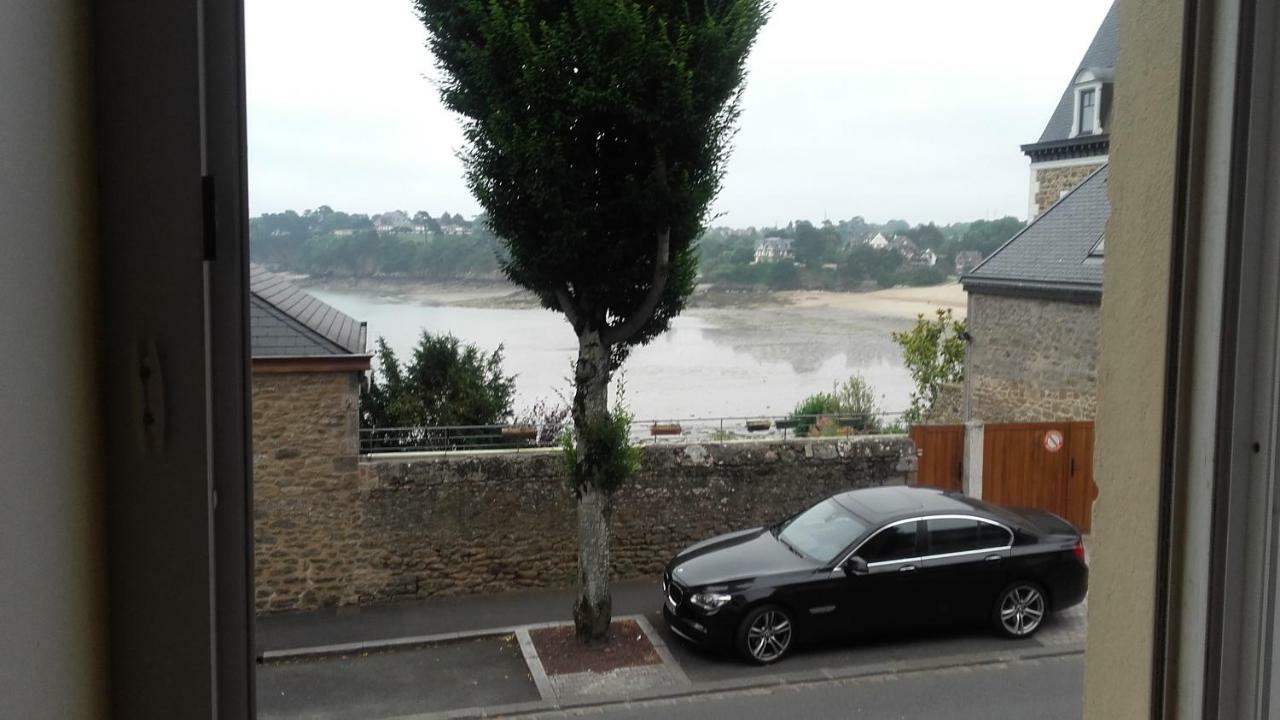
823 530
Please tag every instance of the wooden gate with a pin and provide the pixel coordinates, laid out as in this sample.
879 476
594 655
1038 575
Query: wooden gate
1041 465
940 450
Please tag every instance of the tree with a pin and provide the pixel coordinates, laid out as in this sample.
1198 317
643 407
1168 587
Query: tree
811 245
933 352
597 135
445 382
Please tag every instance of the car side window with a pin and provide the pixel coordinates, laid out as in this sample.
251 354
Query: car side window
957 535
893 543
994 536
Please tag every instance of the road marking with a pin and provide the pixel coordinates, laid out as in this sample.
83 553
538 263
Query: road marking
545 689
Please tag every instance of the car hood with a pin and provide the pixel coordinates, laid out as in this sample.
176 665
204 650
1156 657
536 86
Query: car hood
736 557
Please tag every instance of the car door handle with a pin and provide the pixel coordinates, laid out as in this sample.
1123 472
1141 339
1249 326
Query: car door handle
993 558
907 568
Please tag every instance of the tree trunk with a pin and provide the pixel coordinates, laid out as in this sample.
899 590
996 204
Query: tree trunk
594 608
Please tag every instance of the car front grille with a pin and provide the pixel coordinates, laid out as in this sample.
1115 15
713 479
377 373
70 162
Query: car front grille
675 593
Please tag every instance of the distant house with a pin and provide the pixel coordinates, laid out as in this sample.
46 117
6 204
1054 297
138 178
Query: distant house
967 260
877 241
394 221
905 246
308 363
774 249
925 257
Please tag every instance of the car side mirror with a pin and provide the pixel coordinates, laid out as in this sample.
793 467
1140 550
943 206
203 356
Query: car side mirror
856 566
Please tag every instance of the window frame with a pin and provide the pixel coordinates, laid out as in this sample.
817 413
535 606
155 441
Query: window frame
930 555
1087 106
1095 87
922 538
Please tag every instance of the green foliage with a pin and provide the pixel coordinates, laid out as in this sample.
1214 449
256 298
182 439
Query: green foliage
807 412
335 243
933 352
853 402
594 128
329 242
726 256
445 382
602 454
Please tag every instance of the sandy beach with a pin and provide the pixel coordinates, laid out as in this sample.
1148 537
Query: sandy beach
900 302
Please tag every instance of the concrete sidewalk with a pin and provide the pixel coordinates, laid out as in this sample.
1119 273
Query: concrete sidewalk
440 616
461 657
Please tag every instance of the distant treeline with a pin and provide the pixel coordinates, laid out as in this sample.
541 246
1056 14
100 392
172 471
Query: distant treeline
830 256
329 242
835 256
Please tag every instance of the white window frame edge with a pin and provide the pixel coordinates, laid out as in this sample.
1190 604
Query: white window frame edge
1080 88
1219 617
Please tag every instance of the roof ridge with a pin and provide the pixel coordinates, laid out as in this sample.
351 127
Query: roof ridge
296 324
1037 219
306 310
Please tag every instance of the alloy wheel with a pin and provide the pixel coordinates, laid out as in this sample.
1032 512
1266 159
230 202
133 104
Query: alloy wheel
769 636
1021 610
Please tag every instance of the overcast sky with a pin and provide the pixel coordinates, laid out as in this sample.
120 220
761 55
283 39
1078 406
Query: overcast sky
909 109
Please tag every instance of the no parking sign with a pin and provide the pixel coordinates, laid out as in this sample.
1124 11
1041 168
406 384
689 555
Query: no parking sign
1053 441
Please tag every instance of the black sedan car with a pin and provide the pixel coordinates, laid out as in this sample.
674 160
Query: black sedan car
865 559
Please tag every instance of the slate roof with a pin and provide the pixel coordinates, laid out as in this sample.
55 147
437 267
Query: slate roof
287 321
1100 55
1052 253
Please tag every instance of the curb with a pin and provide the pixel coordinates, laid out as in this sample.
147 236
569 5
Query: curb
794 679
319 651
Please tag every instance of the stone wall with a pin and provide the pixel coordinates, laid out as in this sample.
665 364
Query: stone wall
305 446
1032 360
1051 183
948 407
483 523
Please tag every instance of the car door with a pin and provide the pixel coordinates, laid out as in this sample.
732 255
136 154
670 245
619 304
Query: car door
888 593
965 565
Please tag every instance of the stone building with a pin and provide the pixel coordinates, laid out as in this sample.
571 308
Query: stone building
1033 314
308 363
1076 140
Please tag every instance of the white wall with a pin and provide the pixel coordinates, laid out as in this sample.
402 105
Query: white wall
52 563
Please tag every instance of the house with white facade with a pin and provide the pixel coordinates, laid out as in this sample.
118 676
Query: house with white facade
774 249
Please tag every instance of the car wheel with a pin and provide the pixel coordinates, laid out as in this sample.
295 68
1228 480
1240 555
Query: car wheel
765 635
1020 609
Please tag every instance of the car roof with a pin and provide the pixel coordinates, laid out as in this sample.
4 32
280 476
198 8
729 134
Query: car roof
887 504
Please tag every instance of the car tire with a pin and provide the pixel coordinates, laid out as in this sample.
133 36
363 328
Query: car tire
1020 609
765 635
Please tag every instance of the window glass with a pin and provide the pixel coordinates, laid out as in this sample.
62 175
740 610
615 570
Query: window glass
953 535
894 543
1086 111
823 531
993 536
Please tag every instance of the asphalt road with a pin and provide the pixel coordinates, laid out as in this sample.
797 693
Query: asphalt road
1048 689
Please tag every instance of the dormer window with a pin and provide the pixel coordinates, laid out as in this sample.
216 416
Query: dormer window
1088 111
1089 87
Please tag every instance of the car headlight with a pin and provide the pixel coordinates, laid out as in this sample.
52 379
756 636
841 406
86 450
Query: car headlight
710 601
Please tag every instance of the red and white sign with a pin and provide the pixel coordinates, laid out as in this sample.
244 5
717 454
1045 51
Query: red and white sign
1053 441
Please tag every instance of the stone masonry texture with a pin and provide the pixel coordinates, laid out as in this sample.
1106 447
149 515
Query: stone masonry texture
305 446
403 528
1051 183
1032 360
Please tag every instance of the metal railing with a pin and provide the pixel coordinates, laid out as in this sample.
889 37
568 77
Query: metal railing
441 438
470 438
784 427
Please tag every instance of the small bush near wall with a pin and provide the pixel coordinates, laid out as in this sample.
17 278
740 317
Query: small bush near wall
475 524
